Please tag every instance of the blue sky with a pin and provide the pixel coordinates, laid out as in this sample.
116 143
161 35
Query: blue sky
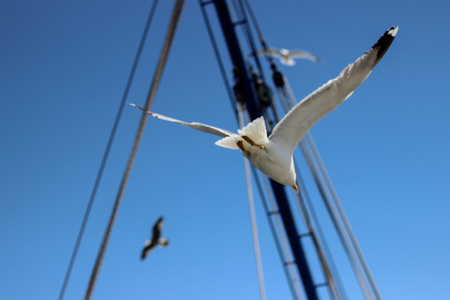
64 67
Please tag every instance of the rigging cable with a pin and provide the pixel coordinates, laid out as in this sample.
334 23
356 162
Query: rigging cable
217 53
107 150
154 86
324 192
239 8
299 197
336 221
251 205
334 208
294 288
318 236
287 100
288 259
277 232
276 228
259 32
372 290
344 217
281 243
263 91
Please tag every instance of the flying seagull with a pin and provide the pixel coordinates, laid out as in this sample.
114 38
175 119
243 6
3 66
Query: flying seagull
273 155
286 56
156 239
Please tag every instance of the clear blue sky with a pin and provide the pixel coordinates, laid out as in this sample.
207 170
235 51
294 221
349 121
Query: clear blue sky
63 68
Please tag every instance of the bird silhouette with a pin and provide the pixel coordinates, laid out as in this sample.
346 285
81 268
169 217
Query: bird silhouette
287 56
155 240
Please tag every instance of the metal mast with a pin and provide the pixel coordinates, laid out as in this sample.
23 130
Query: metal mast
251 92
254 109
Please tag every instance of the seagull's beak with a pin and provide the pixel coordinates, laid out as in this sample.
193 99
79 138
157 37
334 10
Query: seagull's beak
295 187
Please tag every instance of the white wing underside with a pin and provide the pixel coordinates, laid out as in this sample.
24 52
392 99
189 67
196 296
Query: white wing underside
255 130
198 126
303 54
289 131
288 55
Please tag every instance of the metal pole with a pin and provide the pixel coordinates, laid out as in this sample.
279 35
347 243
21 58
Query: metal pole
156 79
107 151
255 111
237 59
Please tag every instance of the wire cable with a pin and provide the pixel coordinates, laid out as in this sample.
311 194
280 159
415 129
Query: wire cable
247 32
287 100
304 202
259 32
276 229
217 54
330 200
334 208
107 151
343 217
154 86
251 204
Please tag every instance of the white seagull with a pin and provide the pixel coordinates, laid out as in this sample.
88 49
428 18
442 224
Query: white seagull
273 155
155 240
286 56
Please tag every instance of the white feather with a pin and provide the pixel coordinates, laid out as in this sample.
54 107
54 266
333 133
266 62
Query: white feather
273 155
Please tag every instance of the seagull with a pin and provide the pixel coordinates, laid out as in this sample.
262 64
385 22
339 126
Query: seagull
286 56
273 155
156 239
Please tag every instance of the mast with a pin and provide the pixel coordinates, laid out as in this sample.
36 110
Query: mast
255 111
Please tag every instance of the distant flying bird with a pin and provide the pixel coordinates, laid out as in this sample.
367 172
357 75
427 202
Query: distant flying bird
287 56
273 155
155 240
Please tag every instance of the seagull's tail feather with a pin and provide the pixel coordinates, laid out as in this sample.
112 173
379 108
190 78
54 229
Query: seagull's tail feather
163 242
256 130
229 142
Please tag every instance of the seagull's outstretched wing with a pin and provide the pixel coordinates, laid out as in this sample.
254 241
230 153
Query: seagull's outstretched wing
157 229
269 51
289 131
304 54
199 126
155 238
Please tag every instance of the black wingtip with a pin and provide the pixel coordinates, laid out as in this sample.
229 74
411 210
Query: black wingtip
384 42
